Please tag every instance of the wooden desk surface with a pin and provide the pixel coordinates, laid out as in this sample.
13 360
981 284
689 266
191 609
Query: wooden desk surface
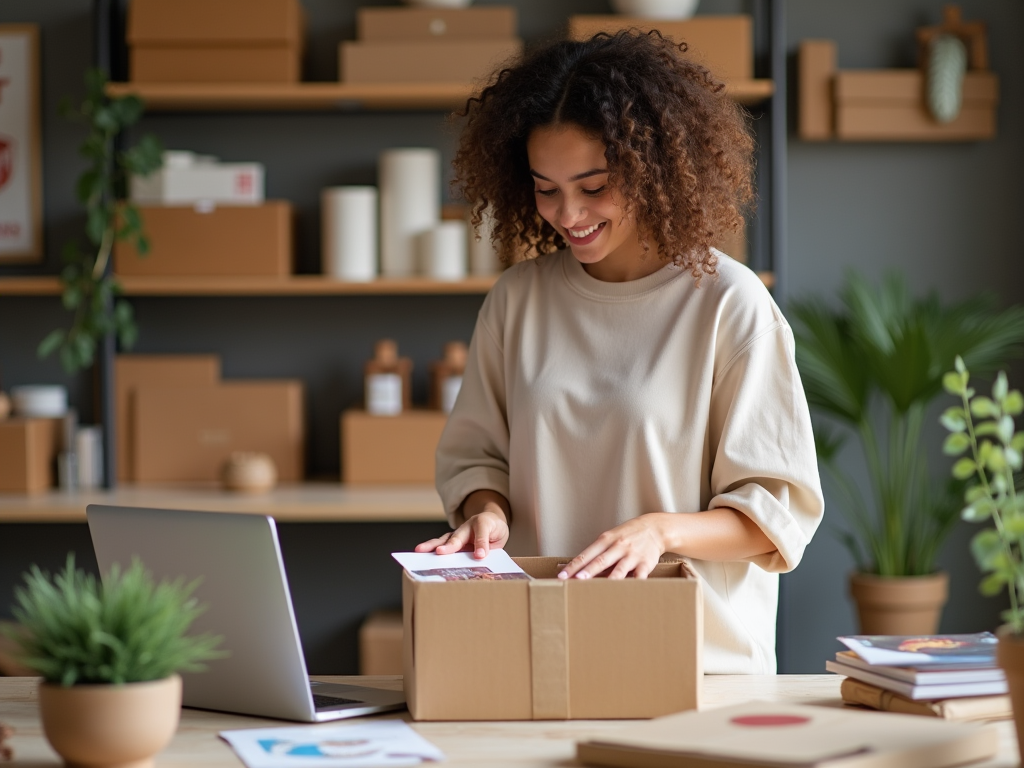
547 744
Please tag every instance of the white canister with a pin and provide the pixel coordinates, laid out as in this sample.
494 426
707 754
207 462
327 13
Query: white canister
89 449
442 251
483 256
40 401
410 203
349 233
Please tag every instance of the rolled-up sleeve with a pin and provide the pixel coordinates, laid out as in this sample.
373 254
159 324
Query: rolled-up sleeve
762 446
473 451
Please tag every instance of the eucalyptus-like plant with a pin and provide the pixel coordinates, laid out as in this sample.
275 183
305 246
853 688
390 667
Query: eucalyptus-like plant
873 367
89 290
994 452
75 629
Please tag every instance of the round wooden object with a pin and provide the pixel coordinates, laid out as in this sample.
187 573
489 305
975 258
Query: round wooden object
249 473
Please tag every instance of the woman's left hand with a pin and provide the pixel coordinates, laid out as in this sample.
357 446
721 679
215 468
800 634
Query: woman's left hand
635 546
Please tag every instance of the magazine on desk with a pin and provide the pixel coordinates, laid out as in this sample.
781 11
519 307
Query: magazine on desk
460 566
924 650
915 691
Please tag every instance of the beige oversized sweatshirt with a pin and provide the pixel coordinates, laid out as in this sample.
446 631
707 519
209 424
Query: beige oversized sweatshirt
587 403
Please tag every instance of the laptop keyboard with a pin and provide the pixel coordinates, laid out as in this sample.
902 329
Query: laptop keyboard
320 702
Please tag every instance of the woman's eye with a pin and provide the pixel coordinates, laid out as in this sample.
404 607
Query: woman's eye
597 191
545 192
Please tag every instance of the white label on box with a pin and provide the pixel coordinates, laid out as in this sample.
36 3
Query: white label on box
384 394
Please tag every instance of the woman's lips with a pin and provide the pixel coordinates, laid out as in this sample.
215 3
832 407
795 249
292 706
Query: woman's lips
585 240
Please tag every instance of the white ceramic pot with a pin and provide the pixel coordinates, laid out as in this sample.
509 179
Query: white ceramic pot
439 3
656 9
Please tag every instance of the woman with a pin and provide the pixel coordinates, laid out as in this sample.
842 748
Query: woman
630 391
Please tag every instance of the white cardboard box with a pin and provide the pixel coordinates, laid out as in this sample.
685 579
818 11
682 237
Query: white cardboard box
230 183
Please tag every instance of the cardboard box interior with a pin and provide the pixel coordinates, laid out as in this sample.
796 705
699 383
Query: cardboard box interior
225 240
185 434
389 449
134 371
553 649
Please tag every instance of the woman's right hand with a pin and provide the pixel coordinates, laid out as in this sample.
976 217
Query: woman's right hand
486 527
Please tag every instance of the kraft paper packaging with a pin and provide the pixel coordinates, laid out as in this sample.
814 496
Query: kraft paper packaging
349 219
410 203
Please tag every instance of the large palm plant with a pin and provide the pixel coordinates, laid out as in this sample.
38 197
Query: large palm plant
873 367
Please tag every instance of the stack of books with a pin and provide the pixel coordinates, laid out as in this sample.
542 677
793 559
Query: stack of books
954 677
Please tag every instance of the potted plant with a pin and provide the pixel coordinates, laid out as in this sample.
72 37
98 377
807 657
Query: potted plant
993 451
109 653
873 367
88 288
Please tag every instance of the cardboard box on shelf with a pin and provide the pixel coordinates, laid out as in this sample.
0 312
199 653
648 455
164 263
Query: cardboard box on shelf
134 371
209 241
454 61
389 24
389 449
723 44
215 40
380 644
29 449
186 433
552 649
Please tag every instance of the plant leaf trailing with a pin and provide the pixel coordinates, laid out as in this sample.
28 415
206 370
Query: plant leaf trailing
993 451
126 629
89 291
874 367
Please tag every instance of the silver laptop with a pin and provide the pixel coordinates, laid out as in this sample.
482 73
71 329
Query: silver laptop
245 590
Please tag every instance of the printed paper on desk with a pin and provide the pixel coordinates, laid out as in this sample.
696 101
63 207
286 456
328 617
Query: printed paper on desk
460 566
377 743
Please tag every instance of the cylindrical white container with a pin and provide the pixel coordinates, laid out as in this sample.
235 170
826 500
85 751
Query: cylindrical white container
89 448
483 256
410 203
349 233
443 251
40 401
450 392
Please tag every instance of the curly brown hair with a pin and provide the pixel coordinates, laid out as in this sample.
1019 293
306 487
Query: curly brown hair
678 149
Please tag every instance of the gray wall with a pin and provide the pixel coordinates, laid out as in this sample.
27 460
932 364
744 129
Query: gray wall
947 215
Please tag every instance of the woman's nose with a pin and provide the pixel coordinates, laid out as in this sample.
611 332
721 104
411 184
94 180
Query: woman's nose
571 213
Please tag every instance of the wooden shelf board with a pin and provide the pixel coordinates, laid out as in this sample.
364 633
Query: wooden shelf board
338 96
303 503
297 285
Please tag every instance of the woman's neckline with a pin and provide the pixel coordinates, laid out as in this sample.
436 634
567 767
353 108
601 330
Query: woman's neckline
586 284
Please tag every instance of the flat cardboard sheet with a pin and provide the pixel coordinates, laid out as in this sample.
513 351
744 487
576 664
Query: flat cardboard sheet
772 734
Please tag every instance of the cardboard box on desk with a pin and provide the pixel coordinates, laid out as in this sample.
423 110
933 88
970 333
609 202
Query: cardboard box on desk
390 449
185 434
28 448
134 371
215 41
212 241
452 61
553 650
723 44
387 24
380 644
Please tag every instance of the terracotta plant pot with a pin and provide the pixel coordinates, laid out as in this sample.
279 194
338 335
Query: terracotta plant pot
903 605
103 726
1010 654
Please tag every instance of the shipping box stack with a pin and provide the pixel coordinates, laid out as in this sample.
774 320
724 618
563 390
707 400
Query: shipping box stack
29 448
183 422
215 41
429 45
390 450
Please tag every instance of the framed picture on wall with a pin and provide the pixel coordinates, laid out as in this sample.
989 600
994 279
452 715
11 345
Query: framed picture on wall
21 181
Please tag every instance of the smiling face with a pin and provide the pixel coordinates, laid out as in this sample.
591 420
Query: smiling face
570 175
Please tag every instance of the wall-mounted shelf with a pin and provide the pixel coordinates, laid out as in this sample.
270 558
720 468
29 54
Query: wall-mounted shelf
297 285
302 503
199 97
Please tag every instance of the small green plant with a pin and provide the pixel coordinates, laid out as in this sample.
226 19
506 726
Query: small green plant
88 289
125 629
993 451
